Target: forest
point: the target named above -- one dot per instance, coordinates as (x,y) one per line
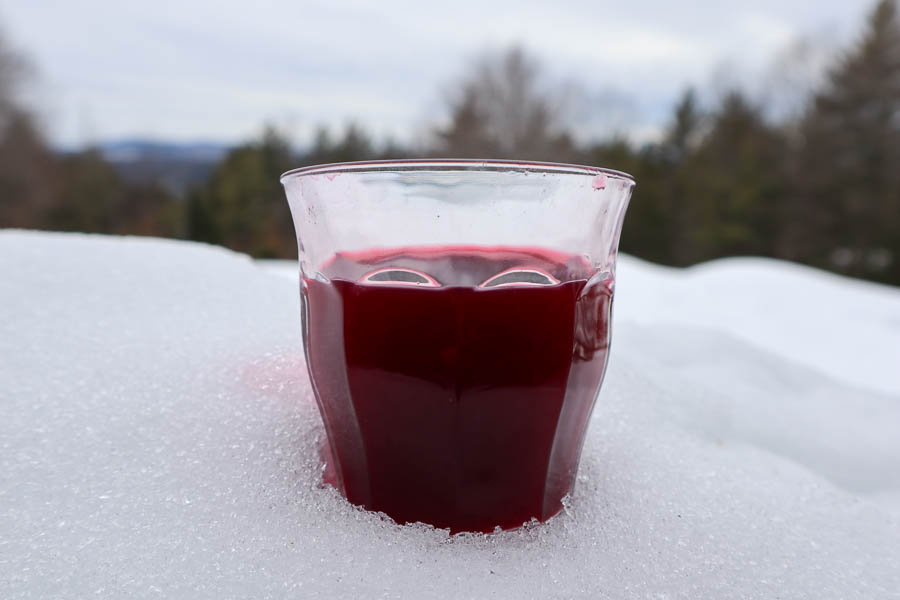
(819,185)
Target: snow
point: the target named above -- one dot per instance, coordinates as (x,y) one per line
(157,439)
(846,328)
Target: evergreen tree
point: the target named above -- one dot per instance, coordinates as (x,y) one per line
(845,210)
(243,205)
(355,145)
(467,134)
(658,221)
(684,132)
(733,184)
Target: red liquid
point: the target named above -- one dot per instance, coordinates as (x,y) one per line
(460,406)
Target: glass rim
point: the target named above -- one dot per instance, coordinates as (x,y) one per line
(453,164)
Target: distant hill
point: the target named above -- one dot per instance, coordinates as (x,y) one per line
(137,149)
(177,166)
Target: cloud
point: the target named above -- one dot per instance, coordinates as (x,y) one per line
(180,70)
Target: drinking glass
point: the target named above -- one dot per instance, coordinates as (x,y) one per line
(456,324)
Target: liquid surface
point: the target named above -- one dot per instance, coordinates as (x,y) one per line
(456,383)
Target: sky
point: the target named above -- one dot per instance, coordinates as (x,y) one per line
(217,71)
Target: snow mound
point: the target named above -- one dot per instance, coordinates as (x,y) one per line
(158,440)
(847,328)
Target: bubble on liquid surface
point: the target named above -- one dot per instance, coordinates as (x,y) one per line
(519,276)
(400,275)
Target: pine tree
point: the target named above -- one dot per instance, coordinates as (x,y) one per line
(243,206)
(658,220)
(683,133)
(846,208)
(733,184)
(466,136)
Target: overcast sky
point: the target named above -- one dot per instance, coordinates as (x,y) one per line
(217,70)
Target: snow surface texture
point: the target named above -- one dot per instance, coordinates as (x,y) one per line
(158,439)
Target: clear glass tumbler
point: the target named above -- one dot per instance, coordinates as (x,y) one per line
(456,322)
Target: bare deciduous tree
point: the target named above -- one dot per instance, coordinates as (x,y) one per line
(500,109)
(26,182)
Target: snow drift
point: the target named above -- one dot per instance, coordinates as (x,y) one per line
(159,440)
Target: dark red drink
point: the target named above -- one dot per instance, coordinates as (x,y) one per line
(456,383)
